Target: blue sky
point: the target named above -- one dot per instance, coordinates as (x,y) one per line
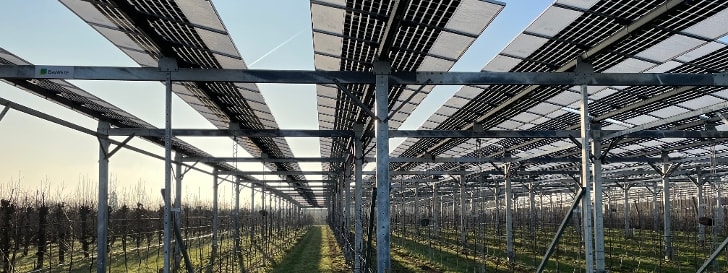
(38,154)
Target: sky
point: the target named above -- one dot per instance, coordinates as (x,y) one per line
(39,158)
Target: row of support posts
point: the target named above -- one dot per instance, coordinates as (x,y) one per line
(175,208)
(590,180)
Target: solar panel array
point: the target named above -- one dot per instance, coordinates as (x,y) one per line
(650,36)
(431,36)
(81,101)
(681,40)
(192,32)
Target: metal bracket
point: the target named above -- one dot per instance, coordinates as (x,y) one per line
(721,79)
(5,111)
(167,64)
(583,70)
(355,99)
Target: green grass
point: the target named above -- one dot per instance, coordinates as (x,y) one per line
(260,256)
(317,251)
(486,249)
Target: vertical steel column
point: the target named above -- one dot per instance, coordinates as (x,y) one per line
(347,197)
(382,70)
(463,239)
(510,253)
(435,210)
(215,219)
(531,208)
(627,228)
(102,217)
(585,179)
(496,198)
(701,205)
(655,216)
(666,205)
(417,212)
(598,198)
(718,224)
(236,223)
(252,213)
(358,189)
(167,173)
(177,206)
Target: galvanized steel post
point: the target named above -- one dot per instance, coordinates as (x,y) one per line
(167,173)
(215,219)
(463,237)
(510,252)
(102,215)
(701,205)
(598,196)
(666,205)
(358,228)
(382,70)
(585,179)
(627,228)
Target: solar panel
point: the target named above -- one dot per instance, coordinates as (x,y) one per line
(81,101)
(670,43)
(191,32)
(430,36)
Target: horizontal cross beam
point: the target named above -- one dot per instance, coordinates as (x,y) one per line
(348,77)
(416,133)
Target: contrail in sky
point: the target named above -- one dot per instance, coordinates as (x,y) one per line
(277,47)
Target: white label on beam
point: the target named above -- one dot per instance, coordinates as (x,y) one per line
(54,72)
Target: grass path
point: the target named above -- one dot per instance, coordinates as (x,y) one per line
(317,251)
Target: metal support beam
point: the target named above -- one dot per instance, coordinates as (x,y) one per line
(531,209)
(435,210)
(347,205)
(215,221)
(177,206)
(463,223)
(667,219)
(699,183)
(598,215)
(627,226)
(349,77)
(237,250)
(713,256)
(585,178)
(355,99)
(447,134)
(261,160)
(508,171)
(382,70)
(560,231)
(167,174)
(359,192)
(4,112)
(102,216)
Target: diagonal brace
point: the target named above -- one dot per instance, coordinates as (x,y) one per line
(610,147)
(560,231)
(5,111)
(355,99)
(121,145)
